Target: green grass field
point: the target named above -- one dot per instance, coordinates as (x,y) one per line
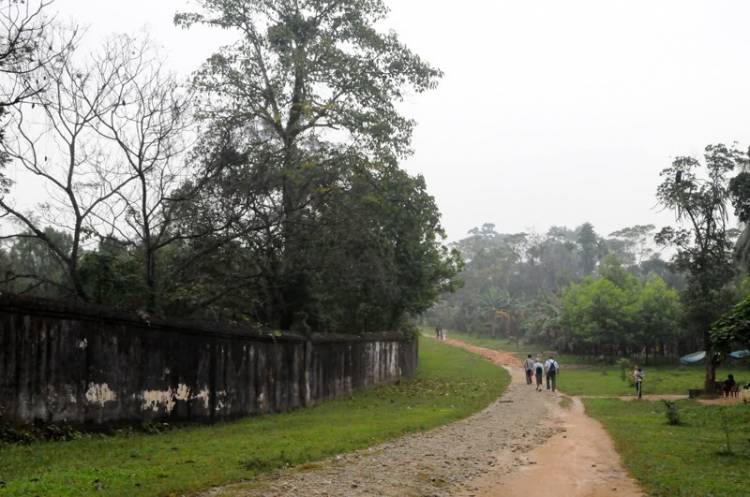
(451,385)
(686,460)
(658,380)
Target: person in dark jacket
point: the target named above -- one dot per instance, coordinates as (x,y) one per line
(729,384)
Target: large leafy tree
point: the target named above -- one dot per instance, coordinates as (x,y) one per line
(699,194)
(387,263)
(732,329)
(598,317)
(658,313)
(309,93)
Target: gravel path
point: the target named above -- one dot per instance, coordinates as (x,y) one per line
(470,457)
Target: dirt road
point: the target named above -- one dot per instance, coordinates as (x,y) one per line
(523,444)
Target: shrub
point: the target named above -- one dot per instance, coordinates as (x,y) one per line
(673,413)
(624,365)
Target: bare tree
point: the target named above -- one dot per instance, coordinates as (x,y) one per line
(23,52)
(146,120)
(54,137)
(111,141)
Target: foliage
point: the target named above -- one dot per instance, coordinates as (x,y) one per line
(732,329)
(598,317)
(451,385)
(267,190)
(673,413)
(302,76)
(528,276)
(663,458)
(705,248)
(36,432)
(588,240)
(624,366)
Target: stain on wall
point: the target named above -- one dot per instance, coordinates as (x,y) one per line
(94,366)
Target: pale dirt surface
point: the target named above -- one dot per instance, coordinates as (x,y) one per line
(578,462)
(497,356)
(523,444)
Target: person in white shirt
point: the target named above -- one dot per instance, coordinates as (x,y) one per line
(553,369)
(528,368)
(539,372)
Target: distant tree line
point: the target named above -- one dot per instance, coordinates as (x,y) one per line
(266,190)
(546,283)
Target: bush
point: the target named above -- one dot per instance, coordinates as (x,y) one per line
(26,434)
(624,365)
(673,413)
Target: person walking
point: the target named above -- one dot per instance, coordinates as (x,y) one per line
(528,367)
(539,372)
(552,368)
(638,375)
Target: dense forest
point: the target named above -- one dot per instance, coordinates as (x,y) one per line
(267,189)
(532,278)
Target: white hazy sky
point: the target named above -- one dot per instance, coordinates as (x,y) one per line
(550,112)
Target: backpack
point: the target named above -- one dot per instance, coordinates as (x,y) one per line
(552,368)
(539,370)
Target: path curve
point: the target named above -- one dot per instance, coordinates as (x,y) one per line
(522,444)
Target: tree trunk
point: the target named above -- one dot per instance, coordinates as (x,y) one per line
(710,383)
(76,280)
(150,280)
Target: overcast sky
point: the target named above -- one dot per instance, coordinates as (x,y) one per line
(550,112)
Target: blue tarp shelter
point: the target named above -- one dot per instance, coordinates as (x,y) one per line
(694,358)
(740,354)
(698,357)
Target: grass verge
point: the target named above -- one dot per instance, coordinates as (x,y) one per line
(451,384)
(690,459)
(659,380)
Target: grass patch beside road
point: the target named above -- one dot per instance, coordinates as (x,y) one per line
(684,460)
(658,380)
(451,385)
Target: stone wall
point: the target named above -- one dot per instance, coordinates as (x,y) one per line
(96,366)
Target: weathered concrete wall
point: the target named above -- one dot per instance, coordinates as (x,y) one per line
(85,365)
